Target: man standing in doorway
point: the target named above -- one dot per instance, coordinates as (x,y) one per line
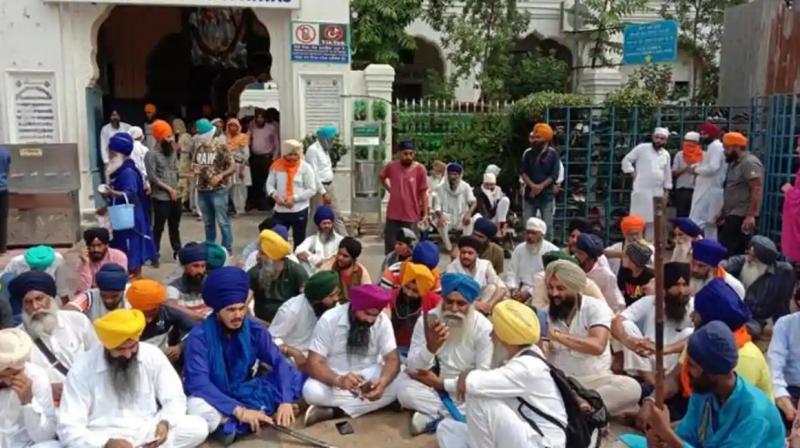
(744,184)
(540,165)
(162,171)
(407,184)
(318,155)
(265,142)
(114,125)
(649,163)
(213,164)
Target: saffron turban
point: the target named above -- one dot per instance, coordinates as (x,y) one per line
(273,245)
(192,253)
(591,244)
(291,147)
(320,285)
(535,224)
(420,274)
(734,139)
(462,284)
(486,227)
(675,271)
(714,349)
(570,274)
(489,178)
(544,131)
(470,241)
(554,255)
(96,233)
(281,230)
(146,294)
(121,142)
(327,132)
(426,253)
(638,253)
(455,168)
(351,245)
(718,301)
(15,348)
(161,130)
(30,281)
(664,132)
(515,323)
(710,129)
(764,249)
(136,133)
(688,227)
(150,108)
(369,297)
(111,277)
(216,256)
(323,213)
(226,286)
(708,252)
(40,258)
(119,326)
(203,126)
(632,223)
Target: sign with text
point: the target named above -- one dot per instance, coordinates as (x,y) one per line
(650,42)
(322,102)
(32,110)
(281,4)
(321,42)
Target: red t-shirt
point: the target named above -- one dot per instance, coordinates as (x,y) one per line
(407,187)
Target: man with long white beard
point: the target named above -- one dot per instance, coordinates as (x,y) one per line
(276,278)
(767,279)
(317,249)
(186,290)
(27,412)
(456,338)
(686,232)
(651,168)
(526,260)
(707,256)
(492,287)
(124,394)
(492,203)
(456,206)
(60,336)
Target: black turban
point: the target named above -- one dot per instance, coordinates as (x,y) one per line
(93,233)
(675,271)
(351,245)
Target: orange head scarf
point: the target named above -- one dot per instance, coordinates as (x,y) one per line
(692,151)
(235,139)
(734,139)
(290,168)
(544,131)
(632,223)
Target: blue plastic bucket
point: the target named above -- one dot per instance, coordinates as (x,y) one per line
(121,215)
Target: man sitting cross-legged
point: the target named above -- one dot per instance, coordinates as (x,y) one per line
(457,338)
(124,394)
(220,356)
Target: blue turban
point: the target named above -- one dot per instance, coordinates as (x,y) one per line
(192,253)
(203,126)
(591,244)
(121,142)
(709,252)
(455,168)
(714,349)
(406,144)
(688,227)
(327,132)
(486,227)
(226,286)
(462,284)
(322,214)
(718,301)
(111,277)
(30,281)
(426,253)
(281,230)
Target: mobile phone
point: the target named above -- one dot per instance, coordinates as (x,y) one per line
(366,386)
(344,428)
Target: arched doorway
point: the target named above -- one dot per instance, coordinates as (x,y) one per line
(419,70)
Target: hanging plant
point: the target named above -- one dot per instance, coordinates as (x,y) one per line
(359,110)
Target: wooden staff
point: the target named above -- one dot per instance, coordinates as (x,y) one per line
(659,206)
(302,437)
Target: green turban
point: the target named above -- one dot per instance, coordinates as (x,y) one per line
(321,285)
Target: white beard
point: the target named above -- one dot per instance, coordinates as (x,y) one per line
(751,271)
(682,252)
(44,323)
(534,248)
(462,334)
(113,164)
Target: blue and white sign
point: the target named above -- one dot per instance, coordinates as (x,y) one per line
(650,42)
(321,42)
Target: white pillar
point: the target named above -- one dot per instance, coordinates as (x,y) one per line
(379,79)
(599,82)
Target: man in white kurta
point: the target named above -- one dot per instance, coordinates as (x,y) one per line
(98,411)
(709,181)
(114,125)
(458,339)
(293,325)
(321,247)
(526,260)
(651,166)
(499,401)
(27,413)
(319,157)
(492,287)
(455,205)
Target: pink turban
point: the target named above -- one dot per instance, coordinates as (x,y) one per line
(367,297)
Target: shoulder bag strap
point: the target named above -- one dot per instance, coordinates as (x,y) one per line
(51,358)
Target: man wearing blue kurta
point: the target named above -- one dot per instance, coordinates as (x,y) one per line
(725,411)
(127,184)
(219,359)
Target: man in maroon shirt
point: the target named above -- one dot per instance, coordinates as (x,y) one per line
(407,183)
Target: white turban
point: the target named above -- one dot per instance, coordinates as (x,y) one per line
(692,137)
(536,225)
(136,133)
(15,348)
(291,147)
(661,131)
(489,178)
(493,169)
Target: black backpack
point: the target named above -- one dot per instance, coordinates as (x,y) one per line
(586,412)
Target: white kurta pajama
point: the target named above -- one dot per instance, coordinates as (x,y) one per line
(293,324)
(317,251)
(453,205)
(320,161)
(652,175)
(72,336)
(91,411)
(330,341)
(474,352)
(526,262)
(708,189)
(31,425)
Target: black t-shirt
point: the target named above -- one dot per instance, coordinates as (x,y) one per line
(633,287)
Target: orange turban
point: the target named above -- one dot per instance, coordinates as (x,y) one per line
(150,108)
(544,131)
(161,130)
(734,139)
(420,274)
(146,295)
(632,223)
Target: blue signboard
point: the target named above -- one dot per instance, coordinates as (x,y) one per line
(650,42)
(320,42)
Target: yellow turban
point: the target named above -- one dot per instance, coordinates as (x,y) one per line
(544,131)
(420,274)
(734,139)
(273,245)
(118,326)
(515,323)
(146,294)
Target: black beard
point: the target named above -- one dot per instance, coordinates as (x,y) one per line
(166,148)
(701,385)
(657,146)
(357,335)
(94,256)
(538,146)
(405,306)
(562,310)
(194,282)
(124,374)
(454,183)
(673,308)
(707,140)
(319,308)
(732,157)
(405,162)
